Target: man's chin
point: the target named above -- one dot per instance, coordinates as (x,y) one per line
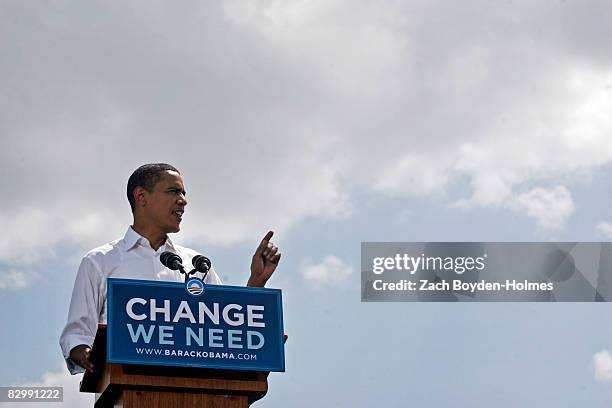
(173,229)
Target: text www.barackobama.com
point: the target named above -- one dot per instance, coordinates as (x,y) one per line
(195,354)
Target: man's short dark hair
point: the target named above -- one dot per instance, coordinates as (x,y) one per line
(146,176)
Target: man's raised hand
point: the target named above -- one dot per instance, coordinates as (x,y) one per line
(264,262)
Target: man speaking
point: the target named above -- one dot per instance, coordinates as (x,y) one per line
(157,197)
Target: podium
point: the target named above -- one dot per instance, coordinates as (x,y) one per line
(136,386)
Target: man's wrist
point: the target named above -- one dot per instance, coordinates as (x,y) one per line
(255,283)
(77,351)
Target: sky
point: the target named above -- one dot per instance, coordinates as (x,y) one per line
(330,122)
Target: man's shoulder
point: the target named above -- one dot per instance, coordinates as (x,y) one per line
(105,250)
(185,250)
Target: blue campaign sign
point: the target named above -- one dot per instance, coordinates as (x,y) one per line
(195,325)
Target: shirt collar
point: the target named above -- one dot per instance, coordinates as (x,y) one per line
(132,238)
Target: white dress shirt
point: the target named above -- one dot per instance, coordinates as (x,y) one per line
(131,258)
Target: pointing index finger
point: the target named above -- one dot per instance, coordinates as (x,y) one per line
(265,239)
(264,242)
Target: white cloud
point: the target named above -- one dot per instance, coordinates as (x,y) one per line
(36,230)
(549,207)
(605,228)
(602,363)
(17,279)
(276,111)
(70,383)
(331,271)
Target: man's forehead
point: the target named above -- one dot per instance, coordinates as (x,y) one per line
(170,177)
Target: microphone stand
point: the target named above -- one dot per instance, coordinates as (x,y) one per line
(192,272)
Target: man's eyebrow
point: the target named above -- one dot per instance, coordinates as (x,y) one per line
(176,188)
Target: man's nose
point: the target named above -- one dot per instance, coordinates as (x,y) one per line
(182,200)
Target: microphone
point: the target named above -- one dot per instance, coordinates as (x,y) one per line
(171,261)
(201,264)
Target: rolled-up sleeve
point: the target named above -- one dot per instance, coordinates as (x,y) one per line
(84,312)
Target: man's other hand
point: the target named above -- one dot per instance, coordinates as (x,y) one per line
(81,355)
(264,262)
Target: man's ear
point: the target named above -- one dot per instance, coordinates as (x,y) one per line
(140,196)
